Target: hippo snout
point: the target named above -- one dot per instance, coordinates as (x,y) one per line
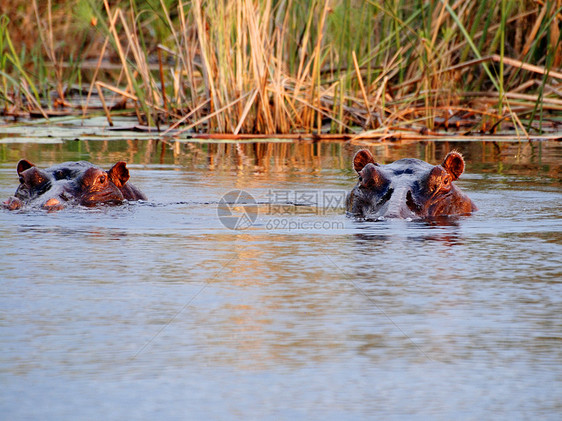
(396,203)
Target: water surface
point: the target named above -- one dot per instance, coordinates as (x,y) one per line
(156,310)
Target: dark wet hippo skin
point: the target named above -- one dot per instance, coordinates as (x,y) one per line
(408,188)
(72,183)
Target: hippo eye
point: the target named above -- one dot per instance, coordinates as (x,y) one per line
(446,184)
(22,181)
(101,179)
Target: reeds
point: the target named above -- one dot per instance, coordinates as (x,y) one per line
(288,66)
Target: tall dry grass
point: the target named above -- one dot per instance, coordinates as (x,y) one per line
(288,66)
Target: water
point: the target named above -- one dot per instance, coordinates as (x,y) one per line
(157,311)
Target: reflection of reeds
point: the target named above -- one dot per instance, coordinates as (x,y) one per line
(339,66)
(290,161)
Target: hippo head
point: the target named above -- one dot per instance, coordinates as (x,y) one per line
(78,182)
(95,186)
(33,181)
(408,188)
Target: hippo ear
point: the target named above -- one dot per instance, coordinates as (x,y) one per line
(119,174)
(23,165)
(454,164)
(362,158)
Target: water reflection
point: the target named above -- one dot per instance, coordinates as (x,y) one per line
(442,229)
(255,159)
(100,233)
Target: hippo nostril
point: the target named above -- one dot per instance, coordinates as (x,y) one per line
(385,198)
(411,203)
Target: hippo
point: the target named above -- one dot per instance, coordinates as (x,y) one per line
(407,189)
(80,183)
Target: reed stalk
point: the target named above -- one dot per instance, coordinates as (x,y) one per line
(287,66)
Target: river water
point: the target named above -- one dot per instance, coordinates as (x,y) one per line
(158,310)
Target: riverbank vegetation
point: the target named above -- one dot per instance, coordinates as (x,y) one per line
(368,67)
